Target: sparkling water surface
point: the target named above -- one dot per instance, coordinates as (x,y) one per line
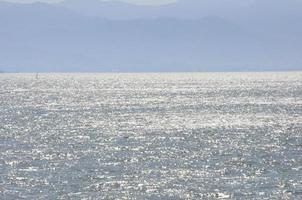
(151,136)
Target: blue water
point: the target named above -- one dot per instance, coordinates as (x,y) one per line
(151,136)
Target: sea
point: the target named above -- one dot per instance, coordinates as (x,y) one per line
(166,136)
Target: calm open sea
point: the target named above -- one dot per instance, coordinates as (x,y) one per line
(151,136)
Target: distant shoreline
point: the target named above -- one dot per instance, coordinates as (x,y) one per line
(147,72)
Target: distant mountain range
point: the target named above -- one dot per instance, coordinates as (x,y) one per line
(190,35)
(186,9)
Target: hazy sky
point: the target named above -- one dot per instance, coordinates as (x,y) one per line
(142,2)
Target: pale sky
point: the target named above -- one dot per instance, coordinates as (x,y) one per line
(140,2)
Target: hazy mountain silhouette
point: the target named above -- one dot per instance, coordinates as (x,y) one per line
(64,37)
(186,9)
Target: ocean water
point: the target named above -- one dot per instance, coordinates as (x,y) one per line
(151,136)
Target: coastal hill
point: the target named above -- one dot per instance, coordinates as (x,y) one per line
(117,36)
